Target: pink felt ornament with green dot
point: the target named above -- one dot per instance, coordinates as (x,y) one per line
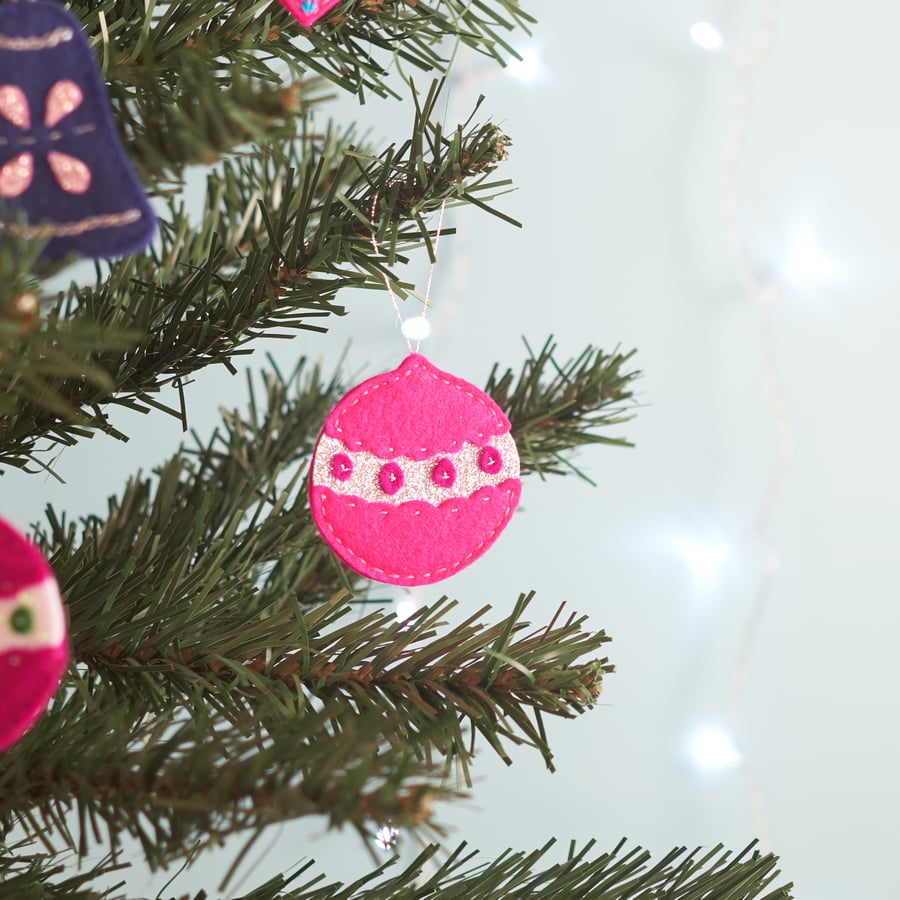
(34,648)
(414,476)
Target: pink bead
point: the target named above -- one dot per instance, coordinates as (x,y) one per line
(390,478)
(490,460)
(444,473)
(341,466)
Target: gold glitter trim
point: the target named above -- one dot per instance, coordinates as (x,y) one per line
(417,480)
(46,41)
(73,229)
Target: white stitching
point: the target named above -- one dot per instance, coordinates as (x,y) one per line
(324,495)
(388,379)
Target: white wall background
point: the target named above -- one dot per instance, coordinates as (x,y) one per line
(617,155)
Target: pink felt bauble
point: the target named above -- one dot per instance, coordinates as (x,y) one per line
(414,476)
(34,648)
(307,12)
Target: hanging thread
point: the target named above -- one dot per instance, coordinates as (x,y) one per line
(387,281)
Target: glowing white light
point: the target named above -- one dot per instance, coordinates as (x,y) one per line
(707,36)
(415,328)
(527,68)
(405,608)
(704,558)
(386,837)
(805,261)
(714,749)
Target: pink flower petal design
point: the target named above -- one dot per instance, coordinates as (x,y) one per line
(64,97)
(72,175)
(16,175)
(14,106)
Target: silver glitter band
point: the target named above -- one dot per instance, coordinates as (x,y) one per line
(418,483)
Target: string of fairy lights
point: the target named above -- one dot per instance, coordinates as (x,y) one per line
(718,746)
(721,747)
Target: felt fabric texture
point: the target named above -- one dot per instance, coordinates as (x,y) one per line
(34,648)
(307,12)
(21,563)
(62,164)
(417,410)
(414,475)
(29,679)
(415,542)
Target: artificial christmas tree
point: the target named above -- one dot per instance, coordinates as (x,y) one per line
(218,684)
